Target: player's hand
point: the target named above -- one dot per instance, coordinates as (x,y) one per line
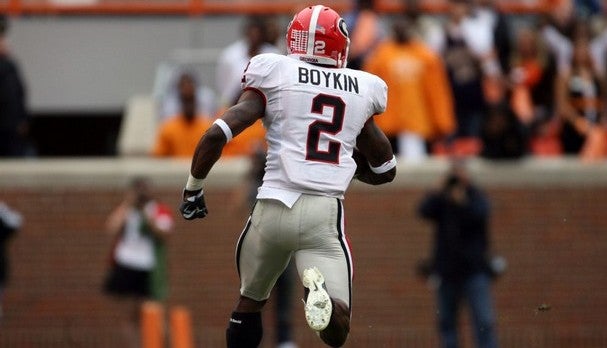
(193,205)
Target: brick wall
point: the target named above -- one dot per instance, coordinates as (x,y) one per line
(553,237)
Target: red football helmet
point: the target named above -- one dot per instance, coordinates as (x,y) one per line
(317,34)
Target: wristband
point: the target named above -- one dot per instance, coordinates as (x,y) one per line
(193,184)
(384,167)
(225,128)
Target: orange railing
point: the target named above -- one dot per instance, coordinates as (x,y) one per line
(199,7)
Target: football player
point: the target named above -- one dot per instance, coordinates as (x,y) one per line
(316,113)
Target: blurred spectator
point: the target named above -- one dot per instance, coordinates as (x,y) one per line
(170,102)
(460,264)
(557,29)
(179,135)
(587,8)
(234,59)
(503,135)
(581,105)
(140,225)
(471,62)
(427,27)
(14,119)
(487,10)
(533,71)
(532,80)
(10,222)
(231,65)
(420,106)
(598,49)
(562,29)
(275,32)
(366,31)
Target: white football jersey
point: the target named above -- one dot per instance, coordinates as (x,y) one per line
(312,118)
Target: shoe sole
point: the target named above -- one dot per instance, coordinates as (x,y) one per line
(318,307)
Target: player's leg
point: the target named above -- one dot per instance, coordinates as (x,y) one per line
(260,257)
(244,328)
(336,334)
(325,265)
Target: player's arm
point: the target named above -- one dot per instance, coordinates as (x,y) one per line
(376,151)
(249,108)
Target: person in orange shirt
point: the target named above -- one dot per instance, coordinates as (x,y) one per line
(420,103)
(366,31)
(179,135)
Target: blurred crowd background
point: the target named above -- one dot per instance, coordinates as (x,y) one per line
(497,79)
(94,93)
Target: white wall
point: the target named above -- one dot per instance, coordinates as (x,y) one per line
(96,63)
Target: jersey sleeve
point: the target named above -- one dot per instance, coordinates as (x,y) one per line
(380,96)
(258,75)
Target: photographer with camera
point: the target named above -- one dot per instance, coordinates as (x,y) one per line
(139,226)
(460,264)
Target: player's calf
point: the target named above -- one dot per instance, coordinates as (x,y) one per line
(244,330)
(336,333)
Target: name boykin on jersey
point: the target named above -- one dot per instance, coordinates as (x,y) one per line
(328,79)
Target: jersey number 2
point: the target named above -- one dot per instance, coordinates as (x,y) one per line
(317,127)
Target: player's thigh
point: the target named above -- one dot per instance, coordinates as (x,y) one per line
(260,256)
